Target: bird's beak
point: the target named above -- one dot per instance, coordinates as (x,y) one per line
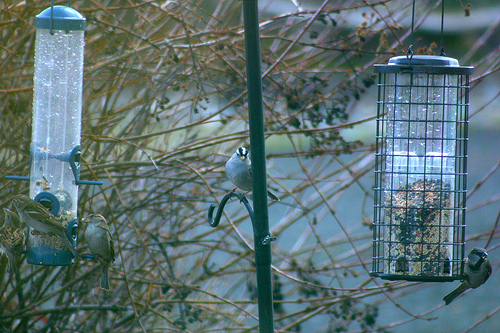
(242,158)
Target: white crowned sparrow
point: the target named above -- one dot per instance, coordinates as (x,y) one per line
(12,239)
(239,171)
(100,243)
(39,218)
(477,270)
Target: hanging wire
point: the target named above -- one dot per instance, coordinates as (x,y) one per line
(409,53)
(52,17)
(442,30)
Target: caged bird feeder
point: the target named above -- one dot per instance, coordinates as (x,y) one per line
(56,129)
(421,169)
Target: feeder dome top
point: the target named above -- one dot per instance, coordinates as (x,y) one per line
(63,18)
(424,64)
(424,60)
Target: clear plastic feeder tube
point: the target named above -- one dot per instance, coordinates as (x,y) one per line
(57,109)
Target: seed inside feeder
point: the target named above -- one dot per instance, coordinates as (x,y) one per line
(418,224)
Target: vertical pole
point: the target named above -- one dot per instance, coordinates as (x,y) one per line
(256,116)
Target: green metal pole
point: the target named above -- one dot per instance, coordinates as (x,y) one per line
(257,145)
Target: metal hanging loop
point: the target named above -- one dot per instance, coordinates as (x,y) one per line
(266,239)
(409,53)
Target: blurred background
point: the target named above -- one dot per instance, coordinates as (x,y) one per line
(164,106)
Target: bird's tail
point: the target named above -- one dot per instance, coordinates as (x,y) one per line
(13,265)
(455,293)
(105,279)
(71,248)
(272,196)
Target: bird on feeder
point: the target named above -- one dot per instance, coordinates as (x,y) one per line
(100,243)
(477,271)
(39,218)
(12,239)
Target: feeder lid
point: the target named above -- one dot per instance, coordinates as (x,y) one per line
(424,64)
(424,60)
(63,18)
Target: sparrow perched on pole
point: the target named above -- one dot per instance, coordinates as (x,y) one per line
(39,218)
(12,239)
(239,171)
(100,243)
(477,270)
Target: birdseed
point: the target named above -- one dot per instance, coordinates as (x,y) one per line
(419,231)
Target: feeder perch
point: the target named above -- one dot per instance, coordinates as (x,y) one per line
(421,169)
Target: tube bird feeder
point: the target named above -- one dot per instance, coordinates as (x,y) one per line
(56,128)
(421,169)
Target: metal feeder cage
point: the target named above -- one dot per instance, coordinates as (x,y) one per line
(421,169)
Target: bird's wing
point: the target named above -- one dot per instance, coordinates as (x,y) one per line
(40,214)
(112,249)
(111,245)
